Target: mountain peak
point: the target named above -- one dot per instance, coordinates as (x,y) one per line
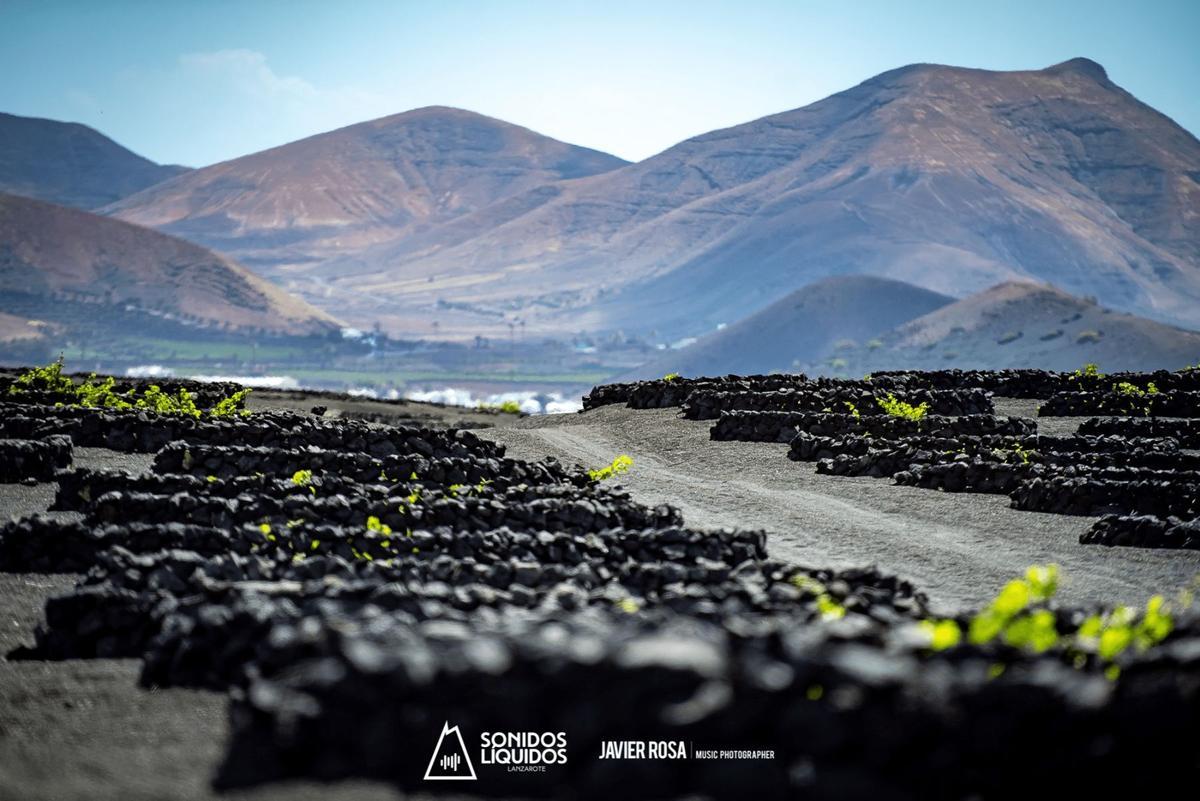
(952,177)
(1022,288)
(801,327)
(438,112)
(1081,66)
(1020,285)
(1078,66)
(357,186)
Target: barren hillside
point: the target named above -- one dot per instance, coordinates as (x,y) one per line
(1022,324)
(71,164)
(952,179)
(801,328)
(345,190)
(53,252)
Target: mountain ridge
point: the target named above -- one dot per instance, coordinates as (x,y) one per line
(852,325)
(801,327)
(764,201)
(950,178)
(71,164)
(1028,324)
(51,253)
(348,188)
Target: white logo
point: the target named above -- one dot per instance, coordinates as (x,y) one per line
(450,760)
(523,751)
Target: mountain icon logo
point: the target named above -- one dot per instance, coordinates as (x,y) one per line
(450,760)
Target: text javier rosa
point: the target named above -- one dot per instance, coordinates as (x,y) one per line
(674,749)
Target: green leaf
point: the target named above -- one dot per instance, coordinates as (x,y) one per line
(1013,598)
(1113,641)
(942,634)
(1043,581)
(985,627)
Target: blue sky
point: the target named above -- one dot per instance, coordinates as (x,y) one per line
(199,82)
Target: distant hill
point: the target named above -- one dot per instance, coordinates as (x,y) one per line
(1021,324)
(15,329)
(343,191)
(52,255)
(71,164)
(948,178)
(804,327)
(24,341)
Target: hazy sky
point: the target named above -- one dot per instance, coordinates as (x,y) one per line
(198,82)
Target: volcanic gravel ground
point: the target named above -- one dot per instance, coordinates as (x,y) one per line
(957,547)
(83,729)
(396,412)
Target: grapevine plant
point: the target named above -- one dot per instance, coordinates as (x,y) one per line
(898,408)
(1126,388)
(1020,617)
(95,394)
(304,478)
(504,407)
(827,607)
(43,379)
(618,465)
(1018,453)
(379,544)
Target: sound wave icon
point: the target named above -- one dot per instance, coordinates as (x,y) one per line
(450,760)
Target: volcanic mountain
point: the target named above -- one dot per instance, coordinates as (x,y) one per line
(948,178)
(52,255)
(1023,324)
(71,164)
(802,328)
(342,191)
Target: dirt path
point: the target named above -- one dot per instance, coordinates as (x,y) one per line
(960,548)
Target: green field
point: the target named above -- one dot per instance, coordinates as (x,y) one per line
(332,363)
(164,350)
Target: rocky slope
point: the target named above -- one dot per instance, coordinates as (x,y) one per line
(802,328)
(345,190)
(51,254)
(1022,324)
(952,179)
(71,164)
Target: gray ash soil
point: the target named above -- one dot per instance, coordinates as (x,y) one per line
(960,548)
